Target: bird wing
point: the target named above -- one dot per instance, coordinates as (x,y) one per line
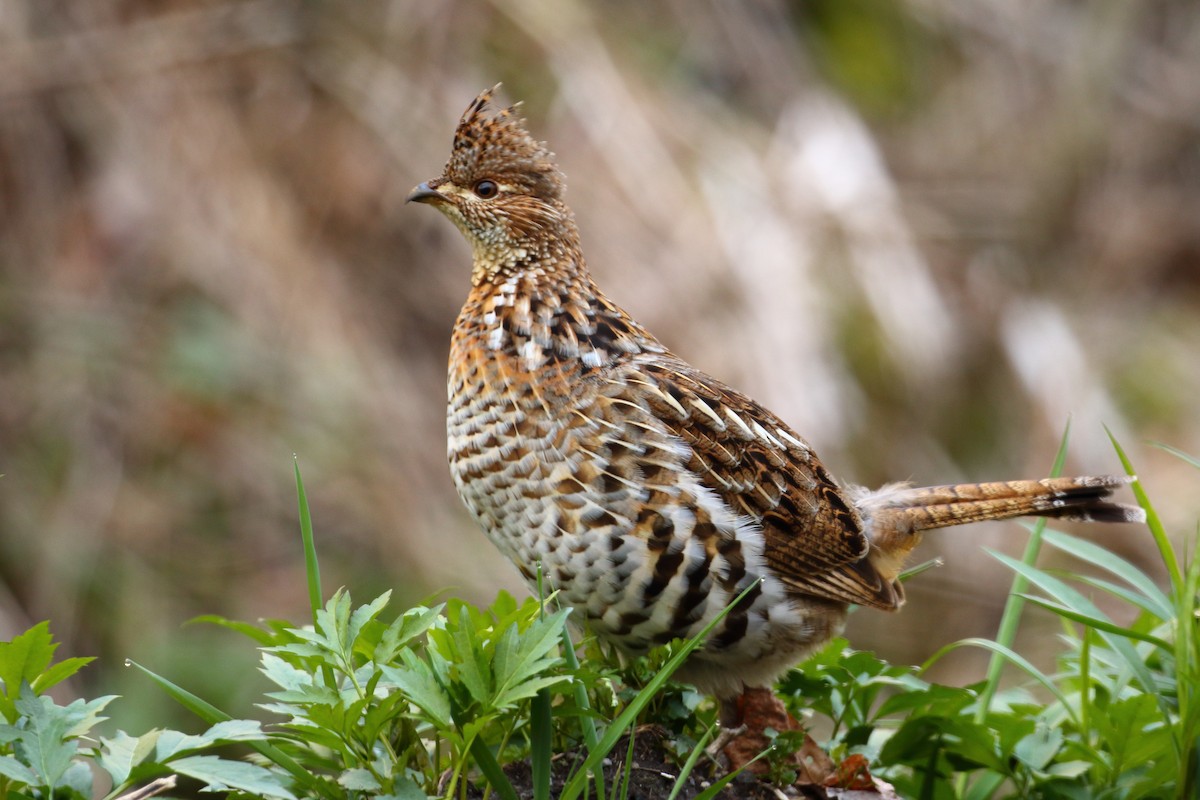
(760,468)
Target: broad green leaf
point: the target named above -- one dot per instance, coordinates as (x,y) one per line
(308,696)
(527,689)
(56,673)
(1068,769)
(45,744)
(25,656)
(15,770)
(219,773)
(1038,748)
(404,789)
(332,623)
(120,754)
(527,658)
(77,778)
(1129,729)
(416,680)
(283,674)
(211,714)
(364,614)
(473,670)
(968,745)
(403,630)
(359,780)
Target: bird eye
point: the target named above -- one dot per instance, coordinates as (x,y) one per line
(486,190)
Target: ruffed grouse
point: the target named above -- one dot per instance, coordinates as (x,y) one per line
(651,494)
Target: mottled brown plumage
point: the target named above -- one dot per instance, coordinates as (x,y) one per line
(649,493)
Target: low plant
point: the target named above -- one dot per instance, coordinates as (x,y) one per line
(434,701)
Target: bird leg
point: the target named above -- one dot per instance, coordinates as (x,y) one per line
(748,716)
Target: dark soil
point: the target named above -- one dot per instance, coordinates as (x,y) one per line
(653,773)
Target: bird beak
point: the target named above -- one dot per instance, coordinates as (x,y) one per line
(424,193)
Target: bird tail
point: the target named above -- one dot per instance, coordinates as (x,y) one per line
(895,515)
(917,509)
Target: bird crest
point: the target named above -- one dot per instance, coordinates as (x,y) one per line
(498,147)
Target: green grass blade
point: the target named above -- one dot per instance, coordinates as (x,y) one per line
(1075,601)
(590,736)
(1182,456)
(1165,550)
(197,705)
(210,714)
(540,744)
(311,568)
(486,761)
(1010,620)
(1128,595)
(692,759)
(1097,623)
(1112,563)
(715,789)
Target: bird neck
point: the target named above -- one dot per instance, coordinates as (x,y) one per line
(548,308)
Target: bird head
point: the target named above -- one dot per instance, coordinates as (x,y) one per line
(501,188)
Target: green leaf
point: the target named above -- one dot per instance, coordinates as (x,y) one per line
(417,681)
(359,780)
(120,754)
(1038,748)
(968,745)
(59,672)
(364,614)
(44,739)
(15,770)
(1133,732)
(222,774)
(403,630)
(283,674)
(172,744)
(473,670)
(211,714)
(22,660)
(404,789)
(496,777)
(525,657)
(1175,451)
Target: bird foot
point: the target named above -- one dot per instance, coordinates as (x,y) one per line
(759,709)
(727,735)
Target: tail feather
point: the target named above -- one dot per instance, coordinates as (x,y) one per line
(1084,499)
(895,515)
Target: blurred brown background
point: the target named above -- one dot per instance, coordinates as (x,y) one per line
(926,233)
